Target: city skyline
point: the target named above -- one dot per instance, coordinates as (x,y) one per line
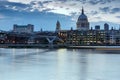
(45,13)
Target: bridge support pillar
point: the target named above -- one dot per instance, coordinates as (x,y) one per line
(51,40)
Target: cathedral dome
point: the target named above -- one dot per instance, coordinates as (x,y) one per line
(82,17)
(82,22)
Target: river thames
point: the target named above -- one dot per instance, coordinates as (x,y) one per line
(58,64)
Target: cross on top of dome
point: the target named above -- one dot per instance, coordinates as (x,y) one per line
(82,10)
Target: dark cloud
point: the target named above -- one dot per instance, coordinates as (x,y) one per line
(3,3)
(83,1)
(73,4)
(36,2)
(93,12)
(105,9)
(110,10)
(61,6)
(14,6)
(47,10)
(67,8)
(73,13)
(62,0)
(94,2)
(115,10)
(22,10)
(7,7)
(3,0)
(97,17)
(117,16)
(46,2)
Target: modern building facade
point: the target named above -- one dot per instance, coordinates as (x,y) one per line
(92,37)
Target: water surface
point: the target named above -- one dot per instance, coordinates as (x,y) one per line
(58,64)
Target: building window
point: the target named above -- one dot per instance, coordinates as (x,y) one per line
(82,25)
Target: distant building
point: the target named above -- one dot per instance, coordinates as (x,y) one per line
(3,36)
(97,27)
(58,26)
(81,37)
(82,22)
(92,37)
(106,27)
(23,28)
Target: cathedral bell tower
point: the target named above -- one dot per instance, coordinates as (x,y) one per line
(58,26)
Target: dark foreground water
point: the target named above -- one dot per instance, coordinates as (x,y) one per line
(60,64)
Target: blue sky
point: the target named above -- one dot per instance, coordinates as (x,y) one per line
(45,13)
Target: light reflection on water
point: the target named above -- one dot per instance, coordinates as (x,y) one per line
(58,64)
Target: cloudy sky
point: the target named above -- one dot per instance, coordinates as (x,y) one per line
(45,13)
